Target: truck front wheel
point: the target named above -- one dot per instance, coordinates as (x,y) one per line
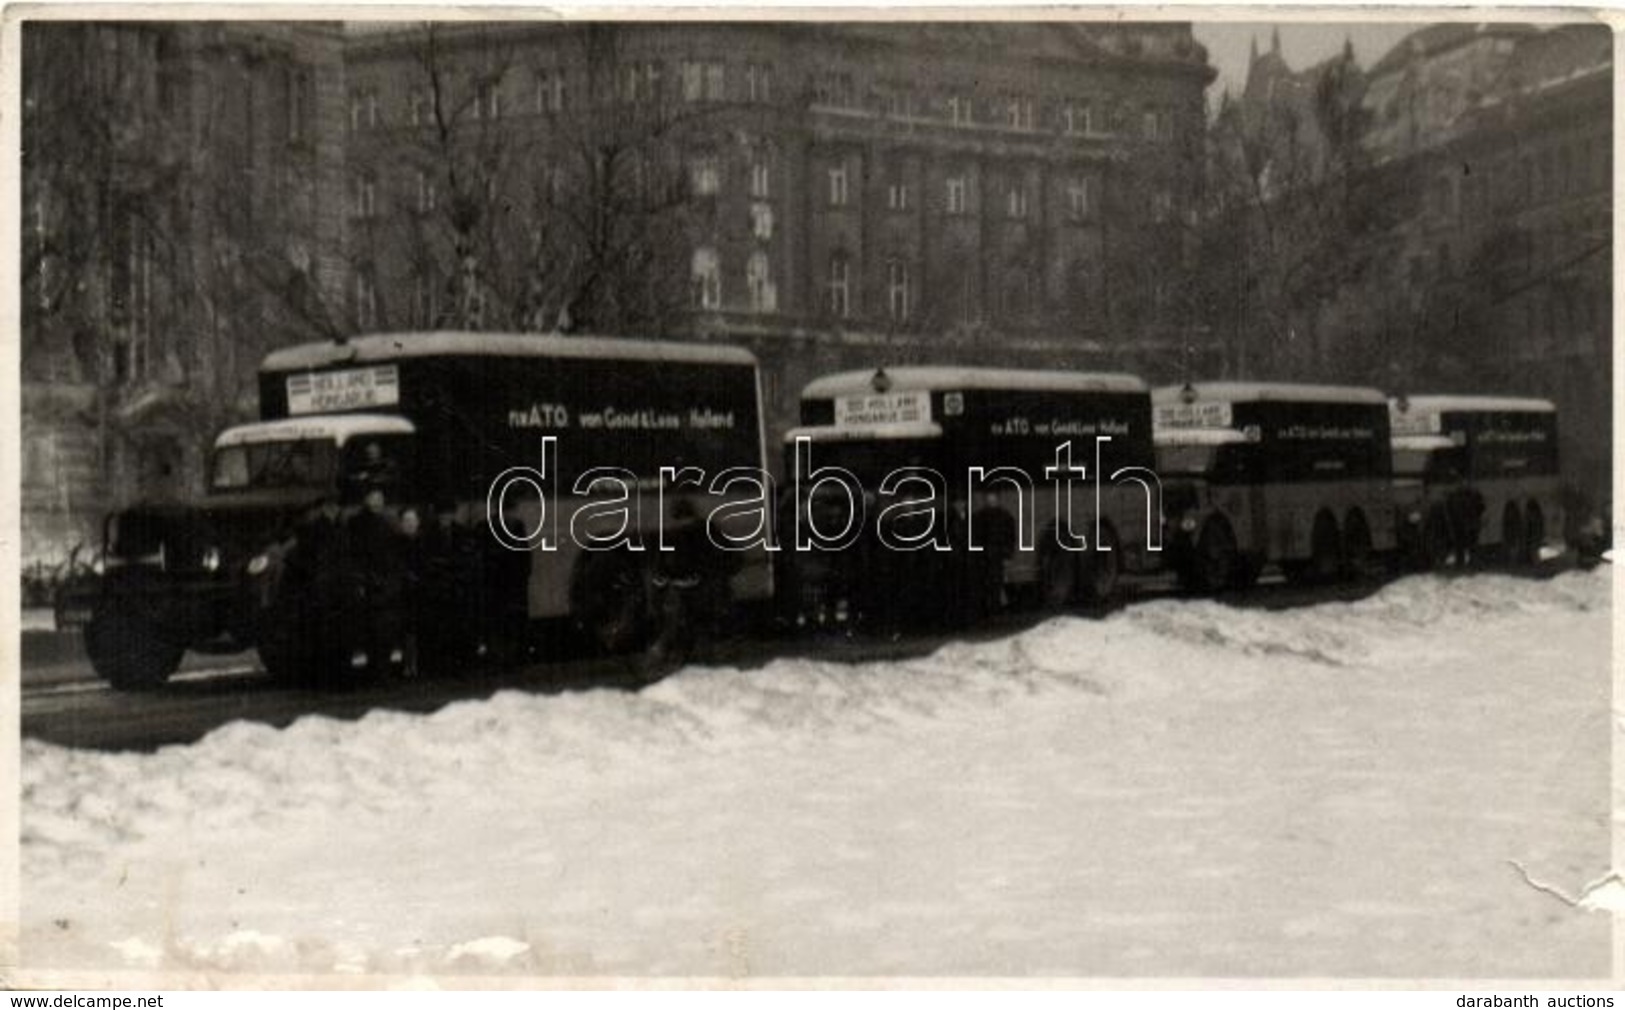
(130,652)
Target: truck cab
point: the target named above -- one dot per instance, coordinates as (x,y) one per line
(182,575)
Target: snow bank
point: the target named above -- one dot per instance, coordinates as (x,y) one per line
(1181,788)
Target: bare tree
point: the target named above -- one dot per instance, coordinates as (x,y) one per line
(576,218)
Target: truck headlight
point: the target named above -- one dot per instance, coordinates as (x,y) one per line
(211,559)
(258,564)
(1187,523)
(1413,518)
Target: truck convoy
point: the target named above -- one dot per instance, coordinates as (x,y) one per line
(547,473)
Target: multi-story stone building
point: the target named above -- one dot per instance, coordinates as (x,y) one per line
(1484,151)
(177,184)
(841,193)
(1507,255)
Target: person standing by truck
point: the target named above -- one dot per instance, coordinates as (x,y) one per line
(378,579)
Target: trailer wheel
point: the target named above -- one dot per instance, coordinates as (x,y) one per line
(1356,546)
(1102,565)
(1512,536)
(1534,525)
(1212,566)
(611,601)
(130,652)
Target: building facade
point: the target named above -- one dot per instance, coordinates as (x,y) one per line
(1482,260)
(177,222)
(827,194)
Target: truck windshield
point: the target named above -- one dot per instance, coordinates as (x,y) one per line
(302,463)
(870,462)
(1186,460)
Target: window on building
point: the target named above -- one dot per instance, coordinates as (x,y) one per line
(837,185)
(960,111)
(705,176)
(487,100)
(358,110)
(758,82)
(364,196)
(1149,129)
(366,300)
(425,300)
(1075,118)
(417,107)
(550,90)
(837,286)
(899,102)
(427,197)
(1018,112)
(703,81)
(761,220)
(899,291)
(552,185)
(897,195)
(761,178)
(759,282)
(1015,201)
(835,88)
(706,273)
(298,104)
(372,109)
(473,294)
(957,203)
(1017,293)
(1077,199)
(1162,206)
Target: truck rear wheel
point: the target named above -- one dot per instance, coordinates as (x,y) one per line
(1512,537)
(1102,565)
(1534,526)
(1436,544)
(130,652)
(611,601)
(1356,547)
(1057,579)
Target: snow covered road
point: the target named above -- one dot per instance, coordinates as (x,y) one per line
(1182,789)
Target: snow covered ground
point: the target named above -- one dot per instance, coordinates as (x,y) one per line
(1182,789)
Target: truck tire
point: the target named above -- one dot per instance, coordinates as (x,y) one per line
(1512,537)
(1057,579)
(1101,567)
(1356,547)
(1437,543)
(611,601)
(1534,526)
(130,652)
